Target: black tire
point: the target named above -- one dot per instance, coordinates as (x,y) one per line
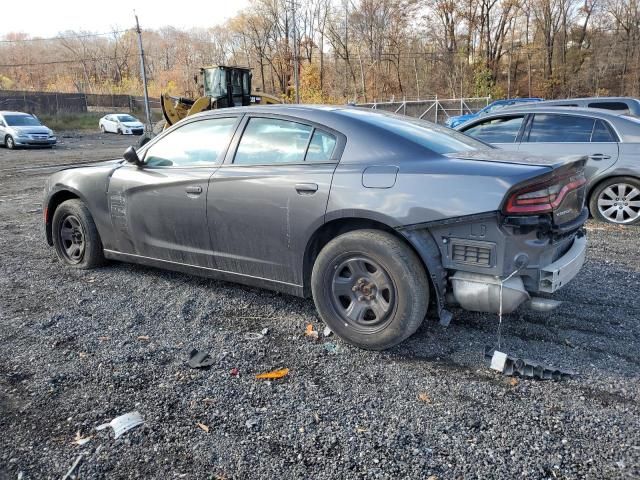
(384,287)
(75,236)
(9,142)
(120,131)
(102,129)
(609,202)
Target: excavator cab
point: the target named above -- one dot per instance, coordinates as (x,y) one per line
(219,86)
(227,86)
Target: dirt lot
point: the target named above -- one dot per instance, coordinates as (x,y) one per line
(78,348)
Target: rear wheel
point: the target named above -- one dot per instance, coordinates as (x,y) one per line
(370,288)
(75,236)
(617,201)
(10,142)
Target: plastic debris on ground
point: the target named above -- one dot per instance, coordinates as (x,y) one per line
(510,366)
(326,332)
(203,427)
(253,336)
(234,372)
(331,347)
(123,423)
(274,375)
(199,359)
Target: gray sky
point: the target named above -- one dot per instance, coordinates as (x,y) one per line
(48,18)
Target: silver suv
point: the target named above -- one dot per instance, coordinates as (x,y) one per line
(19,129)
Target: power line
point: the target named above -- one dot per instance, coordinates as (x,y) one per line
(64,37)
(57,62)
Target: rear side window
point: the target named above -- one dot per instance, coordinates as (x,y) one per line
(194,144)
(602,133)
(497,130)
(321,147)
(550,128)
(616,106)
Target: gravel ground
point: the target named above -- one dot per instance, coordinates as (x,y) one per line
(78,348)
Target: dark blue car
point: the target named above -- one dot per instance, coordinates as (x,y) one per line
(452,122)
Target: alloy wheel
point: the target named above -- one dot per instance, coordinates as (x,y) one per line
(620,203)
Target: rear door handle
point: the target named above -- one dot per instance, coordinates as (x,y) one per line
(193,190)
(599,156)
(306,188)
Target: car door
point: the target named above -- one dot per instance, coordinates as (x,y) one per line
(270,195)
(567,134)
(502,131)
(3,130)
(159,209)
(108,123)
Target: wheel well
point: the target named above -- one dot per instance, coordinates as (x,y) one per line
(333,229)
(54,202)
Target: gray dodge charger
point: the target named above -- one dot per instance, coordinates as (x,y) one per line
(377,217)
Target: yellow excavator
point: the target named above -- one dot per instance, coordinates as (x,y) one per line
(219,86)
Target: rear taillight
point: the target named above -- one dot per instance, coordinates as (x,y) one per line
(543,197)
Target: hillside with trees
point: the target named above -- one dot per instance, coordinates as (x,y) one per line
(359,50)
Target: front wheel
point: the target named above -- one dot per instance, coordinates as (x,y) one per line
(10,142)
(75,236)
(102,129)
(617,201)
(370,288)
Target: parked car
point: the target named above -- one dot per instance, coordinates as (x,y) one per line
(493,107)
(121,123)
(372,214)
(621,105)
(19,129)
(612,143)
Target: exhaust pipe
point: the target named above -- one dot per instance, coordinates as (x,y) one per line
(540,304)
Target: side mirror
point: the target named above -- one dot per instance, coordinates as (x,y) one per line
(131,156)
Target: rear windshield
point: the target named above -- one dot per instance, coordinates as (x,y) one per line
(21,121)
(436,138)
(126,118)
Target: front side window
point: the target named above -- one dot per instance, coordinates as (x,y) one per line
(551,128)
(269,141)
(194,144)
(497,130)
(126,118)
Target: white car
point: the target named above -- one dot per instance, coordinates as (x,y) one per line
(121,123)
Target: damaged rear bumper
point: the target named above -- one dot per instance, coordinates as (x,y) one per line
(491,294)
(563,270)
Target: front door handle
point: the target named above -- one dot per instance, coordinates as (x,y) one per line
(599,156)
(306,188)
(193,190)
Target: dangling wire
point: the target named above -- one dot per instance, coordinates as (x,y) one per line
(502,282)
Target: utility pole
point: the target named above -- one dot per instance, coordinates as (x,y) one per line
(143,71)
(296,59)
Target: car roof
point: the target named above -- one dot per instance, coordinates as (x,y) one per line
(591,99)
(8,112)
(581,111)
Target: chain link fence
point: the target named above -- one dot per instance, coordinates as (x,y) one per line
(54,103)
